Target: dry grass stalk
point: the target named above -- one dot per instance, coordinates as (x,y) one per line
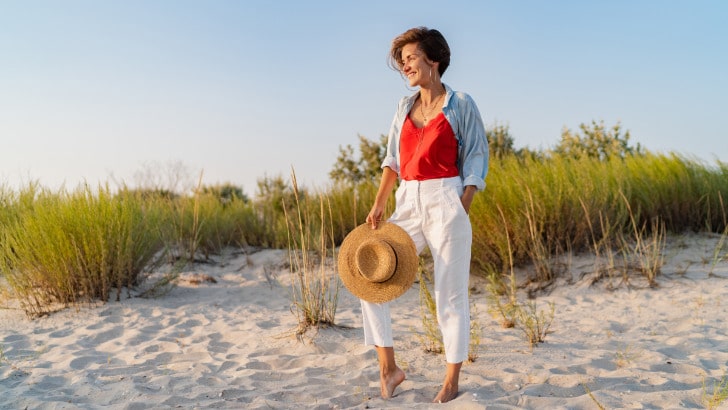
(718,253)
(476,331)
(504,311)
(314,289)
(432,339)
(646,251)
(591,396)
(538,250)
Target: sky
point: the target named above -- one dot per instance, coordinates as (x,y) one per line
(103,91)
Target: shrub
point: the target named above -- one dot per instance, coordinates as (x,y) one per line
(597,142)
(366,168)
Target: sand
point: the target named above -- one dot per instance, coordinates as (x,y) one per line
(222,338)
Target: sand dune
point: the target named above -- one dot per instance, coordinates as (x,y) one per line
(223,339)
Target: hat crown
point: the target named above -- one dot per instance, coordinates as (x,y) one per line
(376,260)
(378,265)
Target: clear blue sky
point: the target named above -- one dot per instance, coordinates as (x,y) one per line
(247,89)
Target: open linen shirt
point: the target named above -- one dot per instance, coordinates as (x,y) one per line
(467,125)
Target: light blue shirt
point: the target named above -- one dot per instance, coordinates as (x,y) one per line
(467,125)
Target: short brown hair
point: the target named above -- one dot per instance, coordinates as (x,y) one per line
(430,41)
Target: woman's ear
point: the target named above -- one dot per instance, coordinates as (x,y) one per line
(435,65)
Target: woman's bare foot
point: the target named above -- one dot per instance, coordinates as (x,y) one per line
(391,381)
(390,375)
(447,393)
(450,385)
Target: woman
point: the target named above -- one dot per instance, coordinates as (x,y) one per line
(438,150)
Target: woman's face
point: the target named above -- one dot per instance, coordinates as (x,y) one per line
(418,69)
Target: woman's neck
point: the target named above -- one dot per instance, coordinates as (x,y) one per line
(430,93)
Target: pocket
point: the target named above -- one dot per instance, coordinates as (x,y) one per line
(451,196)
(399,196)
(402,207)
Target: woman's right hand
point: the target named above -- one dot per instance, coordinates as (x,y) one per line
(389,177)
(375,216)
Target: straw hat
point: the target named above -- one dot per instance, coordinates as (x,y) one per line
(378,265)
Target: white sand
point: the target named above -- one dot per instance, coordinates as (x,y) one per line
(228,345)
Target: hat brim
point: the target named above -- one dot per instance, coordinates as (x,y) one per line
(404,272)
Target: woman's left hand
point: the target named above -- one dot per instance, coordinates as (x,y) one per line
(467,197)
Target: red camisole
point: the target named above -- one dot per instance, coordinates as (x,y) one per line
(429,152)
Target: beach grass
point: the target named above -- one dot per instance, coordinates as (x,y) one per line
(534,322)
(717,395)
(314,289)
(70,246)
(626,355)
(719,252)
(535,209)
(431,339)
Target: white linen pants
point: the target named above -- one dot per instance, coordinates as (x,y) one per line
(431,213)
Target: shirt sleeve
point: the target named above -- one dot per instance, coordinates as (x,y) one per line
(474,152)
(391,158)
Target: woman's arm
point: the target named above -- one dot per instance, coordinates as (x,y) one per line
(474,153)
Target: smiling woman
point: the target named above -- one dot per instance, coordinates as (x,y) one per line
(438,150)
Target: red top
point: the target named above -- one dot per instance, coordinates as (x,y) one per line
(429,152)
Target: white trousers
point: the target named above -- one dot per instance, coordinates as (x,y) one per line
(432,214)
